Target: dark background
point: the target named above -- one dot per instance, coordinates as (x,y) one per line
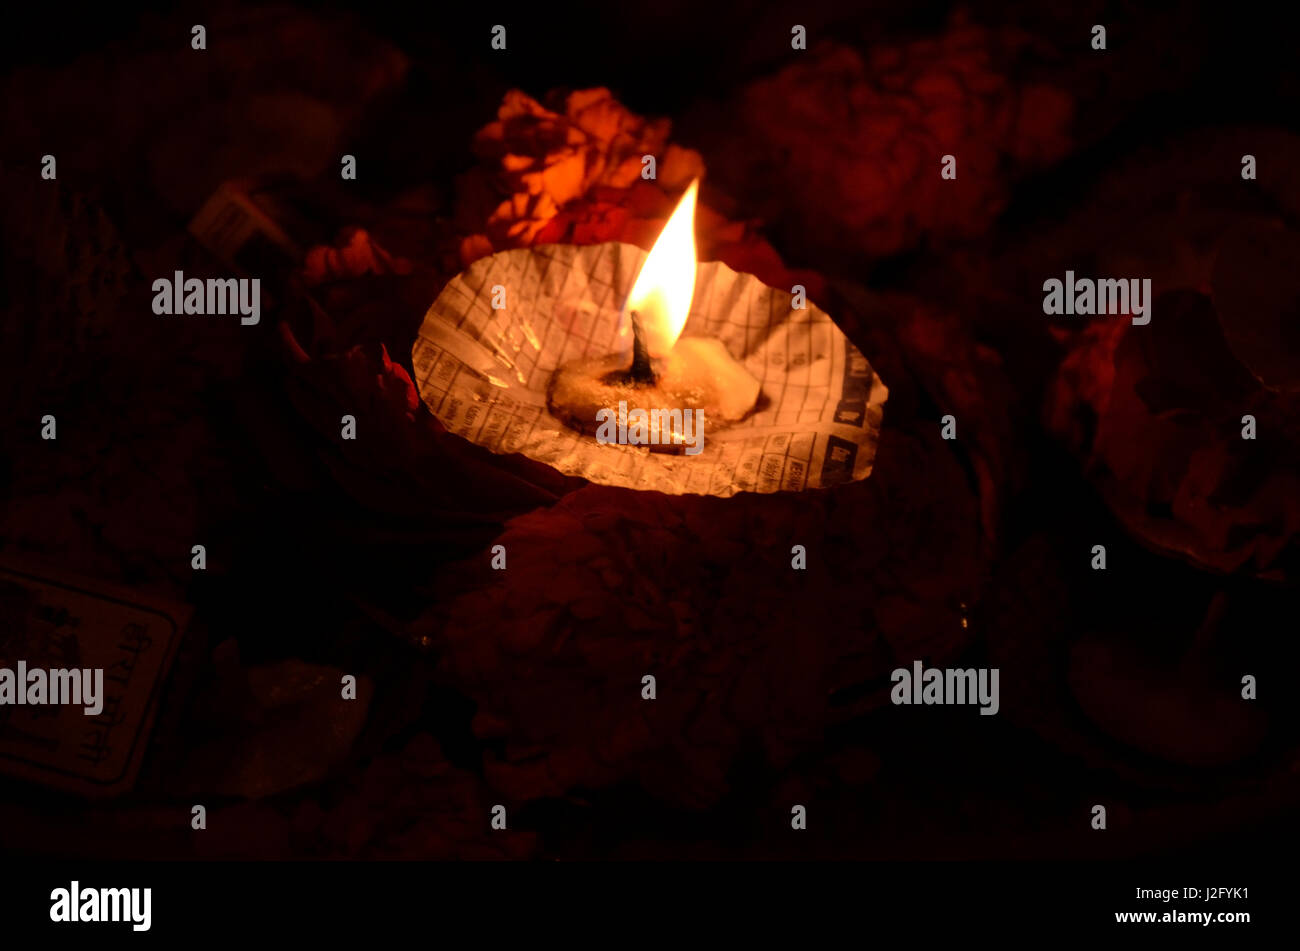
(315,562)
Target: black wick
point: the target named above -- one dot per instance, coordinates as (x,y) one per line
(640,371)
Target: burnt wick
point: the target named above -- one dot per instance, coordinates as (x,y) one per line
(640,373)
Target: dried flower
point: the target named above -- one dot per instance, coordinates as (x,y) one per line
(749,656)
(845,148)
(574,177)
(358,254)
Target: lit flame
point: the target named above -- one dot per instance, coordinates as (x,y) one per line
(663,290)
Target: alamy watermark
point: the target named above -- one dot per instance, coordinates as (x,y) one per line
(179,295)
(1086,297)
(73,904)
(656,427)
(946,685)
(82,687)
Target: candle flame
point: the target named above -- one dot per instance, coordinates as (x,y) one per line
(661,295)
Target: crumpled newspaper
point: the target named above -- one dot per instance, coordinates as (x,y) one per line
(484,373)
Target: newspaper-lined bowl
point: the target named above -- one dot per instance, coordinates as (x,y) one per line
(487,348)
